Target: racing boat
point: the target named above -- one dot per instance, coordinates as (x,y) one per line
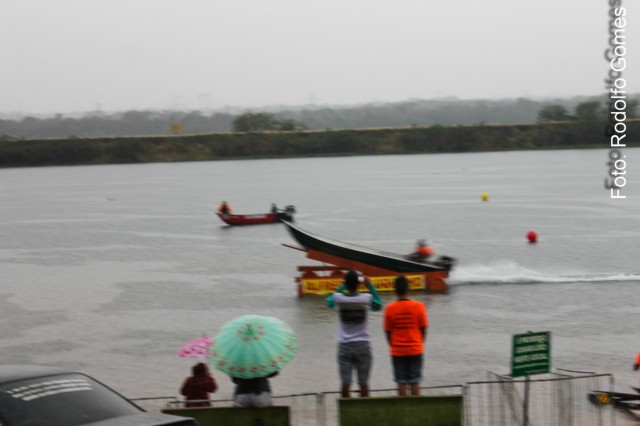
(374,263)
(346,255)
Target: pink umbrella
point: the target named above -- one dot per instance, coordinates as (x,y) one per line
(196,348)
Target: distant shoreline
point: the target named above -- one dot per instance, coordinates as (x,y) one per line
(316,143)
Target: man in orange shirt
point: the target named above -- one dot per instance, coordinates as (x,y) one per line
(405,323)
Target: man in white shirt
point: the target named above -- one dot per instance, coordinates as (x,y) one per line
(354,350)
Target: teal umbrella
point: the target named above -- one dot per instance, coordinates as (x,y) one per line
(253,346)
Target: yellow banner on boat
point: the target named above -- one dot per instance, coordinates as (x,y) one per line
(329,285)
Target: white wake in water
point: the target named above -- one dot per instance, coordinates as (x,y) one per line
(512,272)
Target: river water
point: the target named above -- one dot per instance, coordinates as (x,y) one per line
(110,269)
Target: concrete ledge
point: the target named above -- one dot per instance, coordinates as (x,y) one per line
(430,410)
(224,416)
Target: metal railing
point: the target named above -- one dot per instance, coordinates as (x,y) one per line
(557,399)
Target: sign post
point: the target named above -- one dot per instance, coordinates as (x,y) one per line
(531,354)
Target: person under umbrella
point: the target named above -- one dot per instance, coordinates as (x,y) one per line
(197,348)
(255,392)
(198,386)
(251,349)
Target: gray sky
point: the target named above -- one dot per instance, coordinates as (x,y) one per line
(81,55)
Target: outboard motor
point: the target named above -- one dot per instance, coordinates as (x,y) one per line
(288,212)
(445,262)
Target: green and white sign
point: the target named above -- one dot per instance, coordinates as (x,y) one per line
(531,354)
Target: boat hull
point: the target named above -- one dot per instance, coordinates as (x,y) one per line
(329,284)
(253,219)
(352,256)
(626,400)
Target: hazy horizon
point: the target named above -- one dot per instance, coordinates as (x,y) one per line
(74,56)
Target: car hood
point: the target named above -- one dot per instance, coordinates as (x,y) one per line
(146,419)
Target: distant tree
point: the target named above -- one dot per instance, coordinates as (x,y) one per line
(8,138)
(255,122)
(588,111)
(261,121)
(553,113)
(632,107)
(288,125)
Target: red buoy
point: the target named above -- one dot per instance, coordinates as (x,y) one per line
(532,237)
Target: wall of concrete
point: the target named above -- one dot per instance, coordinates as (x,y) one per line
(441,410)
(224,416)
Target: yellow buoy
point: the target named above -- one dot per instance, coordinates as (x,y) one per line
(485,196)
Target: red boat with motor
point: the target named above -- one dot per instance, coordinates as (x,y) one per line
(256,219)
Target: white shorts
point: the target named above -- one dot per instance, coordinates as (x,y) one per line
(258,400)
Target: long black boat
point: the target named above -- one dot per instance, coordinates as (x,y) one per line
(628,400)
(352,252)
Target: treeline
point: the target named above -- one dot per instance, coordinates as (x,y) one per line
(433,139)
(400,114)
(130,123)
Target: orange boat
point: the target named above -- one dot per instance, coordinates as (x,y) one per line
(381,267)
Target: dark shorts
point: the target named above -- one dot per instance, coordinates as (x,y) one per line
(407,369)
(354,356)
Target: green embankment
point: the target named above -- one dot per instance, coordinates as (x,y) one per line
(222,146)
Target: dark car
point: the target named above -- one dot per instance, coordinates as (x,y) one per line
(33,395)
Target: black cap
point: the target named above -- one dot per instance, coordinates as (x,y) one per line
(351,280)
